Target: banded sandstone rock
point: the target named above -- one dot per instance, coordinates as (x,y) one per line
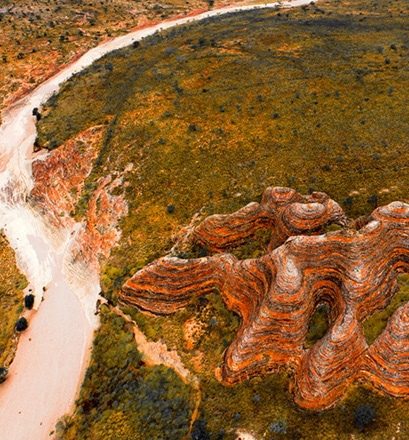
(282,210)
(353,272)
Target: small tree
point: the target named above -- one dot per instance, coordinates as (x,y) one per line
(199,431)
(29,301)
(373,200)
(3,374)
(21,324)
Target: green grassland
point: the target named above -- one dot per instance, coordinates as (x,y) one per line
(211,114)
(11,300)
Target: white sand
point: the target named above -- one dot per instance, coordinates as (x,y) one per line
(53,351)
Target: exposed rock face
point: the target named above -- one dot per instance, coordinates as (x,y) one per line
(59,176)
(283,210)
(354,272)
(58,182)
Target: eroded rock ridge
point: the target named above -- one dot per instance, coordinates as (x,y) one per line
(354,271)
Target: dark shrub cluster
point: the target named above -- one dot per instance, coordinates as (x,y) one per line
(21,324)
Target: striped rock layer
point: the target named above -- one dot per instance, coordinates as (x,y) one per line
(353,272)
(282,210)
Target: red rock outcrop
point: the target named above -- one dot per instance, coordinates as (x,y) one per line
(59,176)
(354,272)
(282,210)
(58,181)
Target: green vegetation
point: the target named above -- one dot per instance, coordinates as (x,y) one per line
(208,115)
(38,36)
(3,374)
(211,329)
(374,325)
(211,114)
(21,324)
(363,416)
(12,283)
(29,301)
(318,325)
(123,399)
(255,246)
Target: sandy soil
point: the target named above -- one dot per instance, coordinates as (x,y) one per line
(157,353)
(54,350)
(51,358)
(242,435)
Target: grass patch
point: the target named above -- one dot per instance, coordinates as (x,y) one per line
(318,327)
(375,324)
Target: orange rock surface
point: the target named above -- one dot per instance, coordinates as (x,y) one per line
(352,271)
(282,210)
(58,182)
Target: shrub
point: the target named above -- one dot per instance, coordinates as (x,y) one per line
(29,301)
(3,374)
(278,427)
(199,431)
(21,324)
(373,200)
(364,415)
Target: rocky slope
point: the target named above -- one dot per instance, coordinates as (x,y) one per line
(58,184)
(352,271)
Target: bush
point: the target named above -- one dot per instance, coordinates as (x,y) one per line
(29,301)
(278,427)
(199,431)
(3,374)
(21,324)
(364,415)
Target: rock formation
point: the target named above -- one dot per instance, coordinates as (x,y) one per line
(282,210)
(352,271)
(59,176)
(58,182)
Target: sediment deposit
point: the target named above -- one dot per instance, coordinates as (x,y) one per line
(353,271)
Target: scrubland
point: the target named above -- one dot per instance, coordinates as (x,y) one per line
(204,117)
(38,37)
